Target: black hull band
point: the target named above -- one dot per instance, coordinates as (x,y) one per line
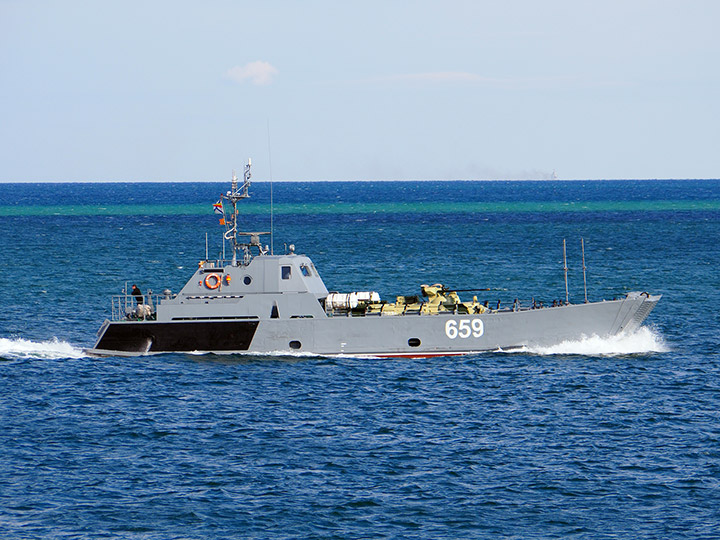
(148,336)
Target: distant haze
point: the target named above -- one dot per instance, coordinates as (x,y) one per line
(323,90)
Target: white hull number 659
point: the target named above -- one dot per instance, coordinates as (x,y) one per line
(464,328)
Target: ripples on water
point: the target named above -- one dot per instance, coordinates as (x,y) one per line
(178,446)
(593,439)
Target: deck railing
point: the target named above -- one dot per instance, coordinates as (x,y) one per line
(126,306)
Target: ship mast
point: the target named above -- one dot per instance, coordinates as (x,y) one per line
(233,196)
(236,194)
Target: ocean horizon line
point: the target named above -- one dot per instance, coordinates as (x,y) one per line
(388,180)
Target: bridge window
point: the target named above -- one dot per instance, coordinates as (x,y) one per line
(286,271)
(305,270)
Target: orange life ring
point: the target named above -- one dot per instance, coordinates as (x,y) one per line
(217,281)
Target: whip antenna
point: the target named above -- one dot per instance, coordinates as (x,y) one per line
(567,295)
(272,228)
(582,244)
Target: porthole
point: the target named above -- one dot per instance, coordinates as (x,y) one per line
(247,280)
(414,342)
(295,344)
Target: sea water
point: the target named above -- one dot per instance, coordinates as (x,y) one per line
(598,438)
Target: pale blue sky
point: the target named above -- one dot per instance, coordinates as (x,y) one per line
(371,90)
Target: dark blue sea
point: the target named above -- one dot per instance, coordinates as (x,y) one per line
(596,439)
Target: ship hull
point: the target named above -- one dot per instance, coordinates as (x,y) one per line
(141,337)
(441,334)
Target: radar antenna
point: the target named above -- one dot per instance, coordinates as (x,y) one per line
(236,194)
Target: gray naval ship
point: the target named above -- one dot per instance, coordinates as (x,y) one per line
(259,302)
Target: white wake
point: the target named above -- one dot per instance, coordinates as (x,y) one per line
(643,340)
(18,348)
